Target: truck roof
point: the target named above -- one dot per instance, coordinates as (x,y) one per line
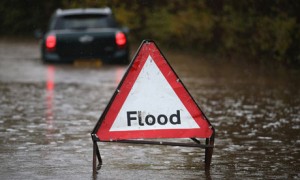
(80,11)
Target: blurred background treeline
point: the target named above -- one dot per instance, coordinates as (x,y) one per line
(268,30)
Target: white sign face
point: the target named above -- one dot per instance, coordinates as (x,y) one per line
(152,104)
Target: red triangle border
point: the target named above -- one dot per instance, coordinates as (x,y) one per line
(109,115)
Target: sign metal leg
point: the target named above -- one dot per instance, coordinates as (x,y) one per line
(96,155)
(208,152)
(94,158)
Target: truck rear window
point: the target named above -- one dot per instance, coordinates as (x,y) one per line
(81,22)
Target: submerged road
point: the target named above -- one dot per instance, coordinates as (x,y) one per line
(47,112)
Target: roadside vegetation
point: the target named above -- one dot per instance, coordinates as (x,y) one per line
(267,30)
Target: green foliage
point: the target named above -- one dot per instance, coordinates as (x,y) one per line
(274,35)
(256,29)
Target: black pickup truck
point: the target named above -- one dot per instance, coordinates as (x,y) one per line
(85,34)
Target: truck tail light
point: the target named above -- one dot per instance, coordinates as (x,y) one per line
(121,39)
(51,42)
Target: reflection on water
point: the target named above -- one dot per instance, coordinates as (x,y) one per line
(50,85)
(119,74)
(46,122)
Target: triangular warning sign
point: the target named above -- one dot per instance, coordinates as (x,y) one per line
(151,102)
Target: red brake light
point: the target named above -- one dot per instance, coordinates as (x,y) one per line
(51,42)
(120,39)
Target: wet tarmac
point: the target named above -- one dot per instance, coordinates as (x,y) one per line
(47,113)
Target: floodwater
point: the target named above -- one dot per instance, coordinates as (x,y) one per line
(48,111)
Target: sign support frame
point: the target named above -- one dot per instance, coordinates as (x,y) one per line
(209,142)
(208,146)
